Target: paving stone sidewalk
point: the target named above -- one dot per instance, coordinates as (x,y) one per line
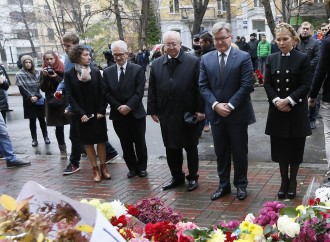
(264,182)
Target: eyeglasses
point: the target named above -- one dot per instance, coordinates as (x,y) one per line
(119,55)
(221,38)
(173,45)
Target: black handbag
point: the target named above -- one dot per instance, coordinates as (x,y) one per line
(55,103)
(190,118)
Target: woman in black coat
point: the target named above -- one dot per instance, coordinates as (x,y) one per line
(84,89)
(27,80)
(287,83)
(51,75)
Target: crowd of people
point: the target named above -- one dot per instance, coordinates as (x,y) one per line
(187,93)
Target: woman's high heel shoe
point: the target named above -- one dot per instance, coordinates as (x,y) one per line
(104,172)
(96,174)
(283,190)
(292,189)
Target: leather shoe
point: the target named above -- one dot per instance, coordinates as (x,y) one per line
(17,163)
(47,141)
(220,193)
(142,173)
(241,193)
(131,174)
(34,143)
(173,183)
(192,185)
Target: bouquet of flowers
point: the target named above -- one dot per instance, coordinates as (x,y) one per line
(259,76)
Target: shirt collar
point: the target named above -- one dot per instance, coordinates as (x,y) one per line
(287,54)
(118,66)
(226,52)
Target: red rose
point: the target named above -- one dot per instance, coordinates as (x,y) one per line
(58,95)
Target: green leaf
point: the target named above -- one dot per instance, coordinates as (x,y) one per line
(289,211)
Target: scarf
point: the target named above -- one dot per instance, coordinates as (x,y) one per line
(58,66)
(83,73)
(28,82)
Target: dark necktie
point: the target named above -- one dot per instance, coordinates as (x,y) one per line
(122,74)
(222,67)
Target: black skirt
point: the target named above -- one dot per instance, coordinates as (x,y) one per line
(289,150)
(94,131)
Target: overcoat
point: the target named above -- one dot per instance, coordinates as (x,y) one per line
(288,76)
(54,115)
(171,94)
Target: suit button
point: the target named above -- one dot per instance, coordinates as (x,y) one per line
(300,100)
(278,89)
(287,71)
(278,81)
(287,89)
(278,72)
(287,80)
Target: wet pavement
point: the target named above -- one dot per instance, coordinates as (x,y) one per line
(263,175)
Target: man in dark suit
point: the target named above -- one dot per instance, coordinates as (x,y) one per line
(124,92)
(173,92)
(226,81)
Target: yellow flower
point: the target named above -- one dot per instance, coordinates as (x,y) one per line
(218,236)
(245,226)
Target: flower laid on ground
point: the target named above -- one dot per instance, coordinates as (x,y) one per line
(323,193)
(51,222)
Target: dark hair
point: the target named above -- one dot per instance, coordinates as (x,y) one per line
(70,37)
(207,37)
(253,34)
(75,53)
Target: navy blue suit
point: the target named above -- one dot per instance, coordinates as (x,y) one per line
(229,133)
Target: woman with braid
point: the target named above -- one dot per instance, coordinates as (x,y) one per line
(287,83)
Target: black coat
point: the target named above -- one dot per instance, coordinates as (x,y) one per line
(170,96)
(3,97)
(129,93)
(283,80)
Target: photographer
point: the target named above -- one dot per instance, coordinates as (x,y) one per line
(109,57)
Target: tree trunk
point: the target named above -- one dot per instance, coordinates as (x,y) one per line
(118,20)
(269,16)
(3,54)
(200,7)
(143,22)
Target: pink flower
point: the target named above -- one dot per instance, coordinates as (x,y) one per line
(181,227)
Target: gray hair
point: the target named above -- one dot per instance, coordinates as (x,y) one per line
(119,44)
(173,33)
(220,26)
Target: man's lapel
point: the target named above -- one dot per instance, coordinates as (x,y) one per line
(230,63)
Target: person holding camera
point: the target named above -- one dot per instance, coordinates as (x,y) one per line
(27,80)
(50,77)
(109,57)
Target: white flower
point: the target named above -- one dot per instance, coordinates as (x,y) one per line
(249,218)
(118,208)
(323,193)
(287,226)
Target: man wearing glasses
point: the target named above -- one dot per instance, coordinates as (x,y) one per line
(226,81)
(173,95)
(124,90)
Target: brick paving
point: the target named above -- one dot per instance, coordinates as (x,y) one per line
(264,182)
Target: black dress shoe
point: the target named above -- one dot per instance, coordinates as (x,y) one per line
(131,174)
(283,190)
(47,141)
(34,142)
(241,193)
(173,183)
(292,190)
(220,193)
(142,173)
(17,163)
(192,185)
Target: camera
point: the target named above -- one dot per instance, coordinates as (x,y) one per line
(50,70)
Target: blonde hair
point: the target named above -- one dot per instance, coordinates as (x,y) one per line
(287,27)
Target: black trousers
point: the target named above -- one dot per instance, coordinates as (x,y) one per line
(175,161)
(131,133)
(33,127)
(231,140)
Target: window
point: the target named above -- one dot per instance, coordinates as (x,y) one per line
(318,1)
(87,9)
(220,6)
(295,3)
(258,25)
(51,35)
(17,2)
(257,3)
(16,16)
(174,6)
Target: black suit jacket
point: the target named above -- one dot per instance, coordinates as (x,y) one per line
(129,92)
(292,79)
